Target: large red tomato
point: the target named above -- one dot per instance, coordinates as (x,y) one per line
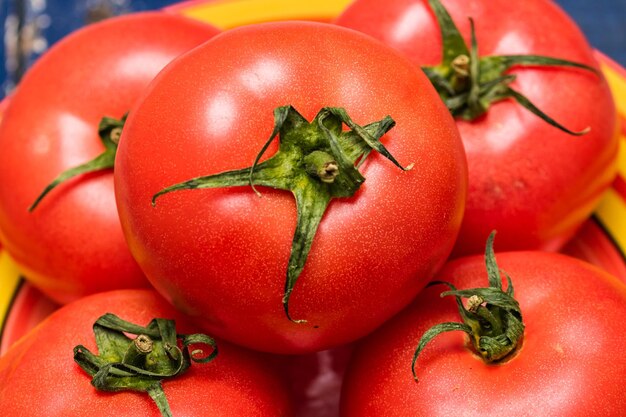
(3,105)
(222,254)
(72,243)
(570,362)
(530,181)
(38,376)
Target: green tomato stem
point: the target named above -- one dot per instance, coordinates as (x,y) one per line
(141,363)
(470,84)
(322,165)
(109,131)
(138,350)
(492,318)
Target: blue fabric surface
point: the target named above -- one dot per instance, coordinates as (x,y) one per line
(47,21)
(603,22)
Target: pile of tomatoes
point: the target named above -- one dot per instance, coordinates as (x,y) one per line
(293,187)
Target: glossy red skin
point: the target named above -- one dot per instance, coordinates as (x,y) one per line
(72,244)
(38,376)
(595,245)
(221,254)
(528,180)
(570,364)
(3,105)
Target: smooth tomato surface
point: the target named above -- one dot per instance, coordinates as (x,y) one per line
(528,180)
(72,243)
(3,105)
(221,254)
(38,376)
(570,362)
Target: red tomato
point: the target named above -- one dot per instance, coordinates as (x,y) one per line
(72,243)
(38,376)
(530,181)
(3,105)
(221,254)
(569,364)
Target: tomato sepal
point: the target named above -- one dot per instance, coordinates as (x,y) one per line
(141,363)
(469,84)
(109,130)
(301,166)
(492,318)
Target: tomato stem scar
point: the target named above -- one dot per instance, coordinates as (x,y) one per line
(322,165)
(461,65)
(138,350)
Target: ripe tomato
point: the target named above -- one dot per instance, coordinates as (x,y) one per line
(569,363)
(3,105)
(72,243)
(221,254)
(530,181)
(38,376)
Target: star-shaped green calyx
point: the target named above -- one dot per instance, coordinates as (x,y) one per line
(469,84)
(141,363)
(317,161)
(109,130)
(492,317)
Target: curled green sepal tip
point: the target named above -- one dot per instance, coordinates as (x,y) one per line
(491,317)
(470,84)
(141,363)
(316,161)
(109,130)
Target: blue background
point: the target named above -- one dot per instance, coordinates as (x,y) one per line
(603,21)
